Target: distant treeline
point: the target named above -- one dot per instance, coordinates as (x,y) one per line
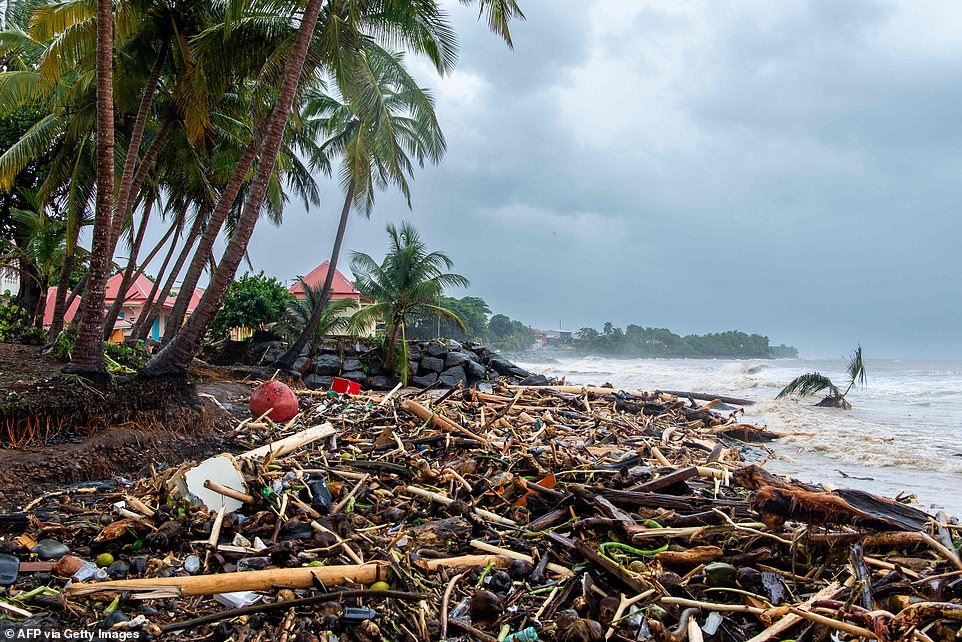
(510,335)
(638,341)
(498,331)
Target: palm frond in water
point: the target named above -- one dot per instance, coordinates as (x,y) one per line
(809,383)
(856,368)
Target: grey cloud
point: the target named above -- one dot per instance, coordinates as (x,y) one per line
(771,167)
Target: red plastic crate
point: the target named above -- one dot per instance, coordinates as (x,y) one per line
(345,386)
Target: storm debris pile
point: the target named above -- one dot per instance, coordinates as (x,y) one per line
(556,513)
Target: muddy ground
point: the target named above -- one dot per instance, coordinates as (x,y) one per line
(101,447)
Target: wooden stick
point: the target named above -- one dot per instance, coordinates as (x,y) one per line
(444,605)
(711,606)
(497,550)
(344,545)
(284,446)
(215,529)
(138,505)
(441,422)
(220,489)
(433,564)
(838,625)
(447,501)
(775,631)
(301,577)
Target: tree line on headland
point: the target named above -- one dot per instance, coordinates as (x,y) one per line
(510,335)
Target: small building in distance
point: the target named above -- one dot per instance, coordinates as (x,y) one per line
(341,288)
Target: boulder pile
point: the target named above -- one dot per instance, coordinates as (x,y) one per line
(442,363)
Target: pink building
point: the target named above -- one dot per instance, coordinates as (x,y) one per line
(131,310)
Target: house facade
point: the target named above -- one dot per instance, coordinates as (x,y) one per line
(131,310)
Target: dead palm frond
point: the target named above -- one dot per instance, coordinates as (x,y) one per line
(810,383)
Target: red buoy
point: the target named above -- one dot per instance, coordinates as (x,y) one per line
(276,397)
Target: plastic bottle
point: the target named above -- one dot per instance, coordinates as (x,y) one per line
(524,635)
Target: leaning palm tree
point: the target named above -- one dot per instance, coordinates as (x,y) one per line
(299,314)
(410,280)
(384,121)
(812,383)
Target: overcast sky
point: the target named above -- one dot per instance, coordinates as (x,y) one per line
(787,168)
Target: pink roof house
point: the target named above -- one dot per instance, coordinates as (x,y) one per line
(132,308)
(341,288)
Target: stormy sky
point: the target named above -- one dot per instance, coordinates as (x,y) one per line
(787,168)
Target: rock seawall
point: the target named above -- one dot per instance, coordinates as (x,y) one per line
(442,363)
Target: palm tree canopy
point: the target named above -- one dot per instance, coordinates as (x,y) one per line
(409,276)
(809,384)
(409,280)
(856,369)
(336,316)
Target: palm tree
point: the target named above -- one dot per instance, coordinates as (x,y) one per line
(299,317)
(813,383)
(410,280)
(386,119)
(42,252)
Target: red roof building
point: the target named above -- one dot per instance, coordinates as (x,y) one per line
(341,287)
(133,306)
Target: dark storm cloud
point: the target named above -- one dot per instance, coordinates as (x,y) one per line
(786,168)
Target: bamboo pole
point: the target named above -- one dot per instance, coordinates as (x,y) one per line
(497,550)
(301,577)
(441,422)
(287,445)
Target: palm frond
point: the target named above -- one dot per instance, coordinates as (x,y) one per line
(856,368)
(809,384)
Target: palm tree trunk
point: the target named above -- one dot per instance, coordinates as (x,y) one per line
(216,222)
(41,308)
(175,357)
(111,319)
(125,193)
(63,282)
(155,304)
(294,351)
(88,352)
(389,359)
(149,304)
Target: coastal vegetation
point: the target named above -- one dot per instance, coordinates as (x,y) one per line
(252,301)
(638,341)
(812,383)
(409,281)
(299,317)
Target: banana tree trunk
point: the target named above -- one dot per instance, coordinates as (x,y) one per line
(88,352)
(156,305)
(175,357)
(294,351)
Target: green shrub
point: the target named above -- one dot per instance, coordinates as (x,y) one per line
(133,356)
(11,321)
(33,336)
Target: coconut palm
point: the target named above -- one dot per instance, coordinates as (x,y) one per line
(385,121)
(813,383)
(42,250)
(299,318)
(410,280)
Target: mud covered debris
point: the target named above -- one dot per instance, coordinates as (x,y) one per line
(522,513)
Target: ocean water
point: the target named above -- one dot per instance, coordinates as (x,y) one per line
(903,434)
